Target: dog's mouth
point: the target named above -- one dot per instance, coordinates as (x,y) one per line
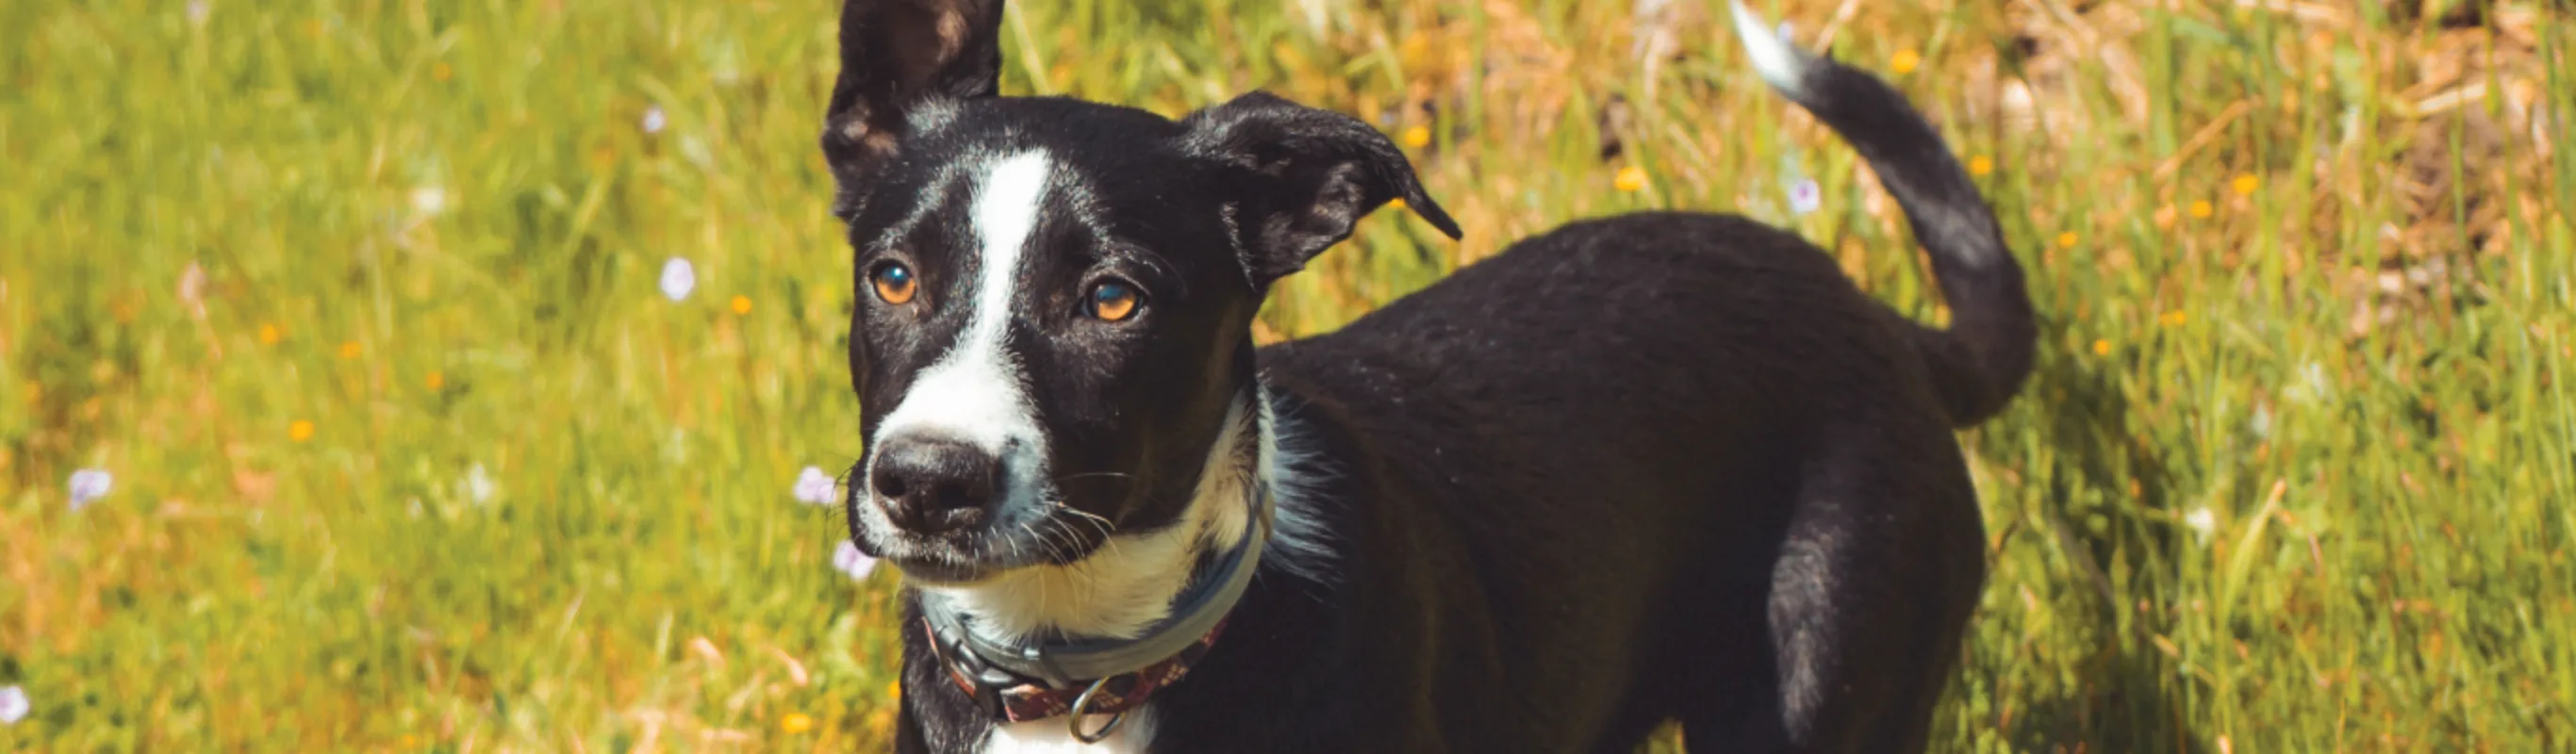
(939,569)
(1059,536)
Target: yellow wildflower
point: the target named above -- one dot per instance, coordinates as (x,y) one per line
(1417,137)
(2066,240)
(270,335)
(2200,208)
(742,305)
(795,722)
(2101,348)
(2245,184)
(1630,179)
(1980,165)
(299,430)
(1904,62)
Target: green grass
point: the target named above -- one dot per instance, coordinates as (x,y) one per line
(2382,465)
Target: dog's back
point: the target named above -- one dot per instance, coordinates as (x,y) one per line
(1682,465)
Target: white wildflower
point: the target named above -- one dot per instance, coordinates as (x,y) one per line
(13,705)
(654,120)
(2201,521)
(478,485)
(429,201)
(848,559)
(813,487)
(198,10)
(678,278)
(88,485)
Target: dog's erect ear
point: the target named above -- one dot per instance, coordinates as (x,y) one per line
(1301,177)
(896,56)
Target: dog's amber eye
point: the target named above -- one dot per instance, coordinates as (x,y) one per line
(895,283)
(1113,301)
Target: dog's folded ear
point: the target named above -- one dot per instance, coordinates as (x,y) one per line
(898,56)
(1300,177)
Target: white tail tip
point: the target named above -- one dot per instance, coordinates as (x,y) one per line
(1781,65)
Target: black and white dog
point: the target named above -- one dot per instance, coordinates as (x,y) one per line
(1658,467)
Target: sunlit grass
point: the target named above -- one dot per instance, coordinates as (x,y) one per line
(422,455)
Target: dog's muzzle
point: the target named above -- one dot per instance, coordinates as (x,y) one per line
(930,485)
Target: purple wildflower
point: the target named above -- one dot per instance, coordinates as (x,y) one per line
(848,559)
(88,485)
(1805,197)
(813,487)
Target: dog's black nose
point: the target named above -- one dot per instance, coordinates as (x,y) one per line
(930,485)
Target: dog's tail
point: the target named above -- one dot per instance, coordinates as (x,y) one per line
(1980,362)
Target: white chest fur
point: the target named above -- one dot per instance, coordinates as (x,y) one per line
(1053,736)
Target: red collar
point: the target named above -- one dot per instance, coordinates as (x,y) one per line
(1022,700)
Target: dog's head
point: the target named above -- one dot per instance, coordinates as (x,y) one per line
(1054,296)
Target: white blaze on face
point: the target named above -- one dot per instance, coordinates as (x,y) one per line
(975,393)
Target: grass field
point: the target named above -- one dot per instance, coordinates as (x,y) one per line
(356,302)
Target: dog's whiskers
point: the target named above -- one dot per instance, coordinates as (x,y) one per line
(1082,568)
(1045,539)
(1098,521)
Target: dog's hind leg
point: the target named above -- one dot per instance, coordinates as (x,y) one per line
(1876,575)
